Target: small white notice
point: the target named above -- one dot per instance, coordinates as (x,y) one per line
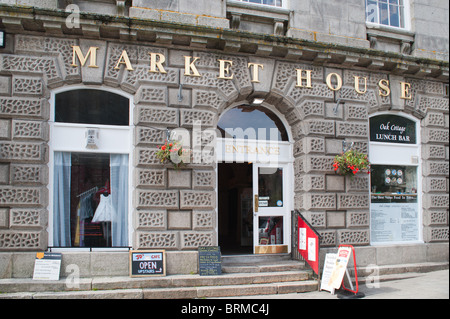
(330,261)
(47,266)
(302,238)
(311,249)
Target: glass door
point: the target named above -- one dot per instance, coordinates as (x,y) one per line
(270,209)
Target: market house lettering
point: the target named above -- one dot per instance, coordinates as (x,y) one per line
(304,77)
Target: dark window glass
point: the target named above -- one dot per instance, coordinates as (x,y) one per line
(91,107)
(252,122)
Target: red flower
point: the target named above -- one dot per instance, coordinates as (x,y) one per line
(163,147)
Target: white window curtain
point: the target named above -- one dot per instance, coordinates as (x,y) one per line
(61,199)
(119,197)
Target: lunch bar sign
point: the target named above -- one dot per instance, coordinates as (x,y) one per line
(392,129)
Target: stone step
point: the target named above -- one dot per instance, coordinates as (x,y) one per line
(171,281)
(174,293)
(289,265)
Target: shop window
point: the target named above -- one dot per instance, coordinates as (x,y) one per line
(390,13)
(90,178)
(394,182)
(252,122)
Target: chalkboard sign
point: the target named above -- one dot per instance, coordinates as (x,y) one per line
(209,261)
(147,263)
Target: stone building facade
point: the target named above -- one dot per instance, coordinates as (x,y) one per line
(320,67)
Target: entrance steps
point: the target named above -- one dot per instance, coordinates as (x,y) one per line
(260,263)
(266,275)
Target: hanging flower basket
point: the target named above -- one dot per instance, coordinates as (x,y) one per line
(173,152)
(351,162)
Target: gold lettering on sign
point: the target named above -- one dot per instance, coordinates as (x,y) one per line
(338,80)
(384,86)
(255,71)
(300,78)
(405,90)
(225,69)
(156,61)
(124,59)
(92,53)
(303,77)
(190,66)
(357,85)
(245,149)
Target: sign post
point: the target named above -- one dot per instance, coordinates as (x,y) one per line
(308,243)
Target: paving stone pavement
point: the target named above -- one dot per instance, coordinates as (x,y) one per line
(431,285)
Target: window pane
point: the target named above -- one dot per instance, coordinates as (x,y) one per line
(252,122)
(270,187)
(270,230)
(91,107)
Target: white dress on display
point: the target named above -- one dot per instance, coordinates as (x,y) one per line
(105,210)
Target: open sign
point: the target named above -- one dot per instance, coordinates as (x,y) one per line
(147,263)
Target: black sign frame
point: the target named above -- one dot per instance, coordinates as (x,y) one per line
(147,263)
(209,261)
(390,128)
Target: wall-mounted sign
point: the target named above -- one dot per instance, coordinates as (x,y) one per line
(308,243)
(389,128)
(147,263)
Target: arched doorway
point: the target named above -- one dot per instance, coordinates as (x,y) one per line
(255,191)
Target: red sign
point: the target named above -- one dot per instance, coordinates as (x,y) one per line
(308,243)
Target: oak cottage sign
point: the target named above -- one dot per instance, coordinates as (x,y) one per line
(392,129)
(157,60)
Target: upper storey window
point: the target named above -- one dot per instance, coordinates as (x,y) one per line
(391,13)
(274,3)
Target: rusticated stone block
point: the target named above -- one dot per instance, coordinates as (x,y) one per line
(197,199)
(180,178)
(203,220)
(335,219)
(349,201)
(21,151)
(22,217)
(157,239)
(335,183)
(157,198)
(13,196)
(18,106)
(179,219)
(151,177)
(152,219)
(319,201)
(24,240)
(354,237)
(192,240)
(203,179)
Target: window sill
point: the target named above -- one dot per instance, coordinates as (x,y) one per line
(256,13)
(377,34)
(257,7)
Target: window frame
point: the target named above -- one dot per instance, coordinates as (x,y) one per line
(284,4)
(55,131)
(397,154)
(406,17)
